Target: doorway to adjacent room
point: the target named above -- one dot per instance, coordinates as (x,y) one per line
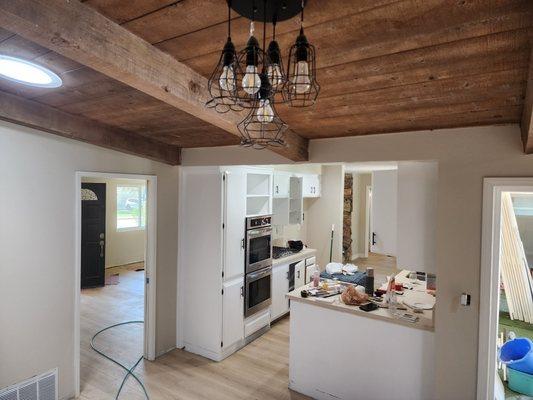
(506,302)
(115,259)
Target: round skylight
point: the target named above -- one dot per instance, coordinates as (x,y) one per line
(25,72)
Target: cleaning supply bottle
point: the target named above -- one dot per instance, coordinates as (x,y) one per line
(369,282)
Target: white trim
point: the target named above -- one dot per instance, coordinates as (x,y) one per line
(490,277)
(150,265)
(368,222)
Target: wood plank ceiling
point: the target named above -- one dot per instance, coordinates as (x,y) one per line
(384,66)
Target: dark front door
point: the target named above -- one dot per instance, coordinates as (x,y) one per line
(92,234)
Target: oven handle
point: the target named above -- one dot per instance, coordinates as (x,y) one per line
(259,274)
(259,232)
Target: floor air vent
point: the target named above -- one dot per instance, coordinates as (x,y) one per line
(40,387)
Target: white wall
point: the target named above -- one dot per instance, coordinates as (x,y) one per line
(121,246)
(325,211)
(384,211)
(465,156)
(417,215)
(37,214)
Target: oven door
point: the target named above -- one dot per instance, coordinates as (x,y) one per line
(258,291)
(258,249)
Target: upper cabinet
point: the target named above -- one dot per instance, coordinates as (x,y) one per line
(295,200)
(281,184)
(311,185)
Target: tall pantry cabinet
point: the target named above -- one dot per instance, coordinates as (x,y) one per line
(212,212)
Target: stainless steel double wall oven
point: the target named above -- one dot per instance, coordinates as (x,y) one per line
(258,264)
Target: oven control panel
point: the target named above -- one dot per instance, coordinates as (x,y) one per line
(258,222)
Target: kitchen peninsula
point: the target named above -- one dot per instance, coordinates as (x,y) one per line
(341,352)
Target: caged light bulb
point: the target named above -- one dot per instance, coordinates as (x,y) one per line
(301,81)
(227,78)
(274,75)
(251,82)
(265,113)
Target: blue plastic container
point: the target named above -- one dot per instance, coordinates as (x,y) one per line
(520,382)
(518,355)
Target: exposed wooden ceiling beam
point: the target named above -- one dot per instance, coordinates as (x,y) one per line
(80,33)
(36,115)
(527,113)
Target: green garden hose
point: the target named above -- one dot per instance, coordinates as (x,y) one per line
(129,371)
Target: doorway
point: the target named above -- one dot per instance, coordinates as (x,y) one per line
(503,261)
(115,269)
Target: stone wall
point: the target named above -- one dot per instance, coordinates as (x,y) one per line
(347,218)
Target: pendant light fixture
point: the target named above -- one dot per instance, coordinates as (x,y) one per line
(222,84)
(275,71)
(251,59)
(302,87)
(263,127)
(252,78)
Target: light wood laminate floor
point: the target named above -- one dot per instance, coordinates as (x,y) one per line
(258,371)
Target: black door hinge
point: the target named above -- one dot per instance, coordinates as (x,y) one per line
(223,225)
(222,291)
(147,280)
(224,177)
(222,274)
(221,344)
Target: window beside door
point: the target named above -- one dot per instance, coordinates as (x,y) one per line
(131,207)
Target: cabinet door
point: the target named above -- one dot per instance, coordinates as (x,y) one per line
(280,287)
(295,200)
(234,220)
(233,312)
(299,274)
(311,185)
(281,184)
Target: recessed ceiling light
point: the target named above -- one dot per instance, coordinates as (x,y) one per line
(28,73)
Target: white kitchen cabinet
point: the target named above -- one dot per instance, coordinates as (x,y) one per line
(280,287)
(299,274)
(233,312)
(295,200)
(211,213)
(311,185)
(234,216)
(281,184)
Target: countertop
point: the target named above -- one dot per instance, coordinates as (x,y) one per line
(305,253)
(425,320)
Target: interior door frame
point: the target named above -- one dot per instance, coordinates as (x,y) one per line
(368,220)
(149,264)
(490,277)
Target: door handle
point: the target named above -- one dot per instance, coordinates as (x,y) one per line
(102,248)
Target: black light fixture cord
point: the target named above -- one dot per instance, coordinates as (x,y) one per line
(229,19)
(302,17)
(264,27)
